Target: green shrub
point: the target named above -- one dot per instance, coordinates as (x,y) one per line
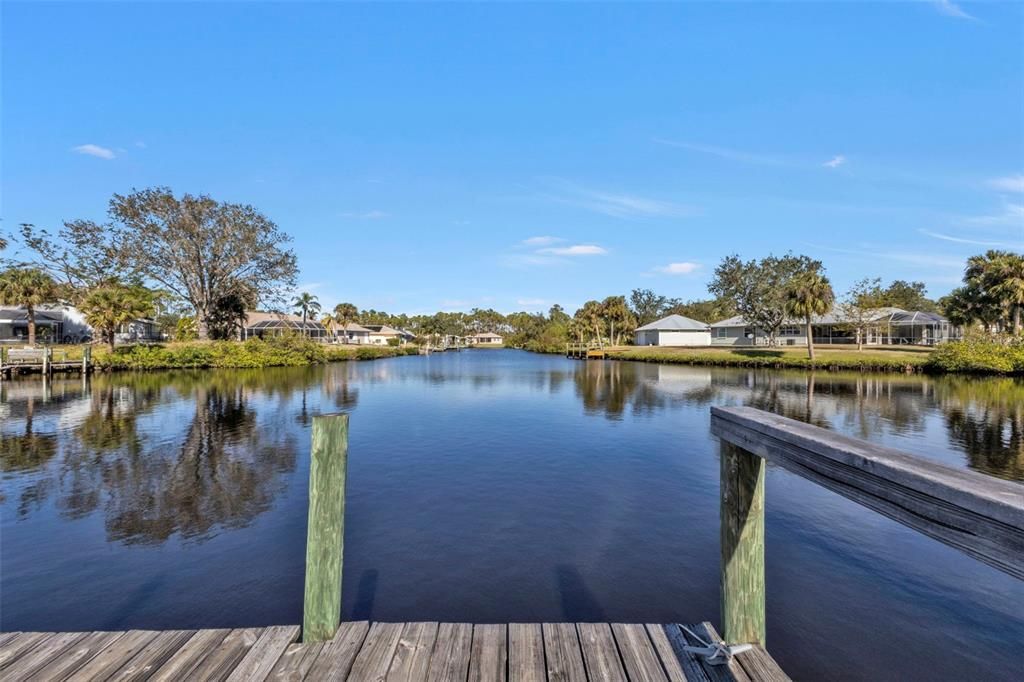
(981,355)
(280,351)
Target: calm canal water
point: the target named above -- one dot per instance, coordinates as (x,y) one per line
(495,486)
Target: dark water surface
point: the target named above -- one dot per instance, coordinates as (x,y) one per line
(495,486)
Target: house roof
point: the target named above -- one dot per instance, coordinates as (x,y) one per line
(837,316)
(263,320)
(382,330)
(486,335)
(674,323)
(21,315)
(355,327)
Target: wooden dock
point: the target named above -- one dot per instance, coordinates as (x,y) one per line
(519,652)
(976,514)
(585,351)
(42,360)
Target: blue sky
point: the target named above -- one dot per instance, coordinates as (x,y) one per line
(446,156)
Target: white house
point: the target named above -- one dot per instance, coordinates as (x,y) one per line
(485,338)
(381,335)
(885,325)
(674,330)
(353,332)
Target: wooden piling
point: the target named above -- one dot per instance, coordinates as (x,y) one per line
(46,360)
(328,464)
(742,536)
(86,358)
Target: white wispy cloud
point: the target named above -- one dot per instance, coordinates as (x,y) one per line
(1010,183)
(726,153)
(951,9)
(1012,214)
(365,215)
(617,204)
(531,302)
(94,150)
(574,250)
(542,241)
(975,242)
(683,268)
(835,162)
(140,144)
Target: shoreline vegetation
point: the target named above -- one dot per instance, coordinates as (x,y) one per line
(251,353)
(974,355)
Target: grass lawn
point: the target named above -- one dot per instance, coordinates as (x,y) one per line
(883,358)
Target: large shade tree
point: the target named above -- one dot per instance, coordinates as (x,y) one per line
(29,288)
(759,288)
(809,294)
(193,246)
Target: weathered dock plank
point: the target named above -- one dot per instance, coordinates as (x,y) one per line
(488,653)
(600,654)
(562,650)
(638,654)
(526,653)
(383,652)
(412,656)
(337,655)
(266,650)
(374,659)
(450,660)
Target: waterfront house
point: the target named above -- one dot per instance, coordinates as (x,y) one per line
(382,335)
(674,330)
(883,326)
(262,324)
(485,339)
(353,332)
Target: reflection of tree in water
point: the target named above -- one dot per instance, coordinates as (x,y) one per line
(223,473)
(337,385)
(985,417)
(28,451)
(608,388)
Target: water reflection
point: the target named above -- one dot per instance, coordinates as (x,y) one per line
(189,452)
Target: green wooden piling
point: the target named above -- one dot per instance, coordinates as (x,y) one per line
(328,464)
(742,532)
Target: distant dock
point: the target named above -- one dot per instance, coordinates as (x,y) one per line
(43,360)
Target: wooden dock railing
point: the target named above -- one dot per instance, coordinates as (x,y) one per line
(977,514)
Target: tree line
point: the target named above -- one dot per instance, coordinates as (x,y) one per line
(197,265)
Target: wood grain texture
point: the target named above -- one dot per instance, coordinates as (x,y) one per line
(638,655)
(692,668)
(669,661)
(562,652)
(374,658)
(328,463)
(142,665)
(600,653)
(296,662)
(742,545)
(526,653)
(337,656)
(75,656)
(192,652)
(106,662)
(223,658)
(450,660)
(266,650)
(412,655)
(980,515)
(730,672)
(488,653)
(38,656)
(18,645)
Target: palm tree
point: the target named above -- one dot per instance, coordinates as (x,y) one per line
(306,303)
(1008,284)
(809,294)
(28,287)
(330,324)
(107,308)
(345,313)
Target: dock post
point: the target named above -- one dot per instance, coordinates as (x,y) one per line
(46,361)
(742,535)
(328,464)
(86,357)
